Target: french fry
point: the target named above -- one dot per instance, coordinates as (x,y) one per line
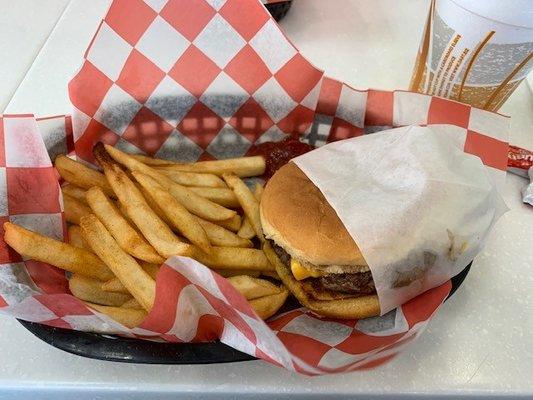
(151,226)
(246,230)
(151,160)
(128,317)
(253,288)
(178,215)
(234,258)
(128,238)
(114,284)
(248,202)
(223,196)
(154,206)
(80,175)
(89,289)
(74,209)
(258,191)
(128,271)
(151,269)
(226,273)
(76,239)
(124,213)
(267,306)
(195,179)
(233,224)
(193,202)
(271,274)
(132,303)
(62,255)
(197,204)
(242,167)
(219,236)
(74,191)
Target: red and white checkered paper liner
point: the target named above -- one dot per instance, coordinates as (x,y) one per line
(153,80)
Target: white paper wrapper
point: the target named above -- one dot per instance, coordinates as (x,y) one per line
(416,204)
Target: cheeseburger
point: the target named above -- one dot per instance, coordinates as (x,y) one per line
(313,253)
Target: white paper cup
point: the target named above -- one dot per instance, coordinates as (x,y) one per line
(476,52)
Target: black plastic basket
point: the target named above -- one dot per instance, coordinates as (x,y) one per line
(279,9)
(113,348)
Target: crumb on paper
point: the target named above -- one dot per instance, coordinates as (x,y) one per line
(406,278)
(455,251)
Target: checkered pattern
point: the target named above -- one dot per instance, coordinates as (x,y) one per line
(198,69)
(294,340)
(344,112)
(297,340)
(29,196)
(56,132)
(188,98)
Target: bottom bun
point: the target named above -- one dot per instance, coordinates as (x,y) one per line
(350,308)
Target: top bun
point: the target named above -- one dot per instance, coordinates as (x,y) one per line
(297,217)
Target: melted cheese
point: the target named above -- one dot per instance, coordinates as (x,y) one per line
(300,271)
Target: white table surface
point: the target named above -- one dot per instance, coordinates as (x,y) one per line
(24,27)
(481,341)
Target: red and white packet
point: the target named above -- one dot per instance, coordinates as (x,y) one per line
(519,161)
(210,79)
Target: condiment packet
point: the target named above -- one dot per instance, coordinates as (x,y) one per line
(519,160)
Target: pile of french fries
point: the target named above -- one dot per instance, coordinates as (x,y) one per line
(126,220)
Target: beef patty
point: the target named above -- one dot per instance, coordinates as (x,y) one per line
(360,283)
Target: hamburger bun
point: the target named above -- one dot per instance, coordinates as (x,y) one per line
(296,216)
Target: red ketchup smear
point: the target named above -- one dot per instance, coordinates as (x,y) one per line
(277,154)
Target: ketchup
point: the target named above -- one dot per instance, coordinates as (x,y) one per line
(277,154)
